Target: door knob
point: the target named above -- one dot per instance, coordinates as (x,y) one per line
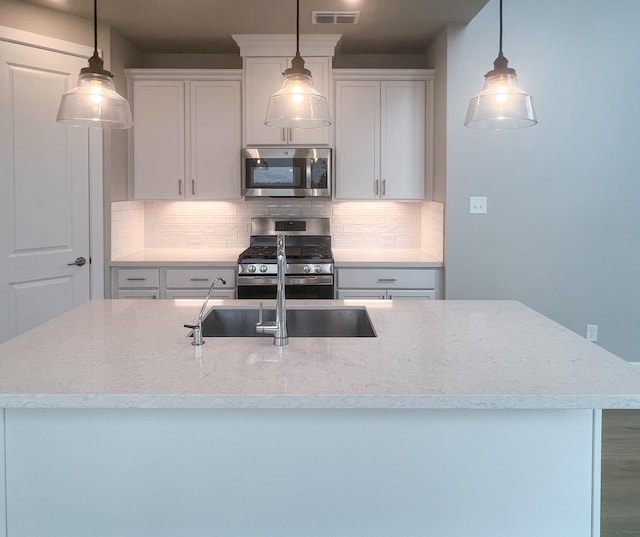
(78,262)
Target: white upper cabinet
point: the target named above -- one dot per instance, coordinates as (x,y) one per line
(187,134)
(262,78)
(383,133)
(215,140)
(265,58)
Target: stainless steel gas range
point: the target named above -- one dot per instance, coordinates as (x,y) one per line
(309,259)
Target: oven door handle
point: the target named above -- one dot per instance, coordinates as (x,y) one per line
(309,280)
(289,280)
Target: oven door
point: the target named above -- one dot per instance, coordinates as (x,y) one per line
(301,287)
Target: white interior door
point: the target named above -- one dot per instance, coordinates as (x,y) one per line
(44,190)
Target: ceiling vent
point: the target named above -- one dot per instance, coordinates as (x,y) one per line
(335,17)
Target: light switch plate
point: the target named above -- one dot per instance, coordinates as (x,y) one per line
(477,205)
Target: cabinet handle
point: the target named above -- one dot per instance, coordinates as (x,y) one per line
(375,187)
(136,279)
(283,135)
(179,187)
(193,187)
(199,279)
(384,187)
(386,280)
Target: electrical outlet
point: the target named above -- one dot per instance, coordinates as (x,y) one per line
(477,205)
(592,332)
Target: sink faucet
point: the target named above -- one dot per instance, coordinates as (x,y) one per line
(197,328)
(279,327)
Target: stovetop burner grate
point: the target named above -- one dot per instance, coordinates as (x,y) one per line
(306,253)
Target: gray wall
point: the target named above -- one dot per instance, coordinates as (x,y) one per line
(563,229)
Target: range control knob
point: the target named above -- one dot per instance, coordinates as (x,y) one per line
(317,268)
(252,268)
(263,268)
(307,269)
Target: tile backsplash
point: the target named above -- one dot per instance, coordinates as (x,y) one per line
(357,225)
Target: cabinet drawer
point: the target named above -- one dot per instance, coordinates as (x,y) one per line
(363,294)
(199,278)
(386,278)
(199,293)
(137,278)
(138,293)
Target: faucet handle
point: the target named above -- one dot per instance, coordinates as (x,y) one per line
(196,334)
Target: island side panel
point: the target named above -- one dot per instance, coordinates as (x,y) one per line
(597,473)
(3,463)
(294,472)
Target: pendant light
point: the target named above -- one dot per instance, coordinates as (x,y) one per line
(297,104)
(501,104)
(94,102)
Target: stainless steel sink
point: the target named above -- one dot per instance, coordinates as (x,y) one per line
(306,322)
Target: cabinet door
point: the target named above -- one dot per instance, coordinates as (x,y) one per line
(402,140)
(158,139)
(215,140)
(362,294)
(263,77)
(411,294)
(138,294)
(357,139)
(174,294)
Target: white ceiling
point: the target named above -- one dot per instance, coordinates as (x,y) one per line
(205,26)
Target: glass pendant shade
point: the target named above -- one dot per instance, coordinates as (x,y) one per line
(501,104)
(297,104)
(94,102)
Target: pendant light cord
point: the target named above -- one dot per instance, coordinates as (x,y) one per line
(500,27)
(95,27)
(298,26)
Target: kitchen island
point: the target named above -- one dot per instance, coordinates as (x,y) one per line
(459,418)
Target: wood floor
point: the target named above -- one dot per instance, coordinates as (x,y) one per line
(620,473)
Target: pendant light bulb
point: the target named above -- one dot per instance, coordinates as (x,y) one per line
(501,104)
(297,104)
(94,102)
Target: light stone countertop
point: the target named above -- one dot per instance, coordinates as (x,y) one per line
(387,258)
(176,257)
(428,354)
(347,257)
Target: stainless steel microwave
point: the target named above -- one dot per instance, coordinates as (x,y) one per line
(286,172)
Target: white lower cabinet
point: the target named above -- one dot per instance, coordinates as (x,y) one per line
(388,284)
(172,283)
